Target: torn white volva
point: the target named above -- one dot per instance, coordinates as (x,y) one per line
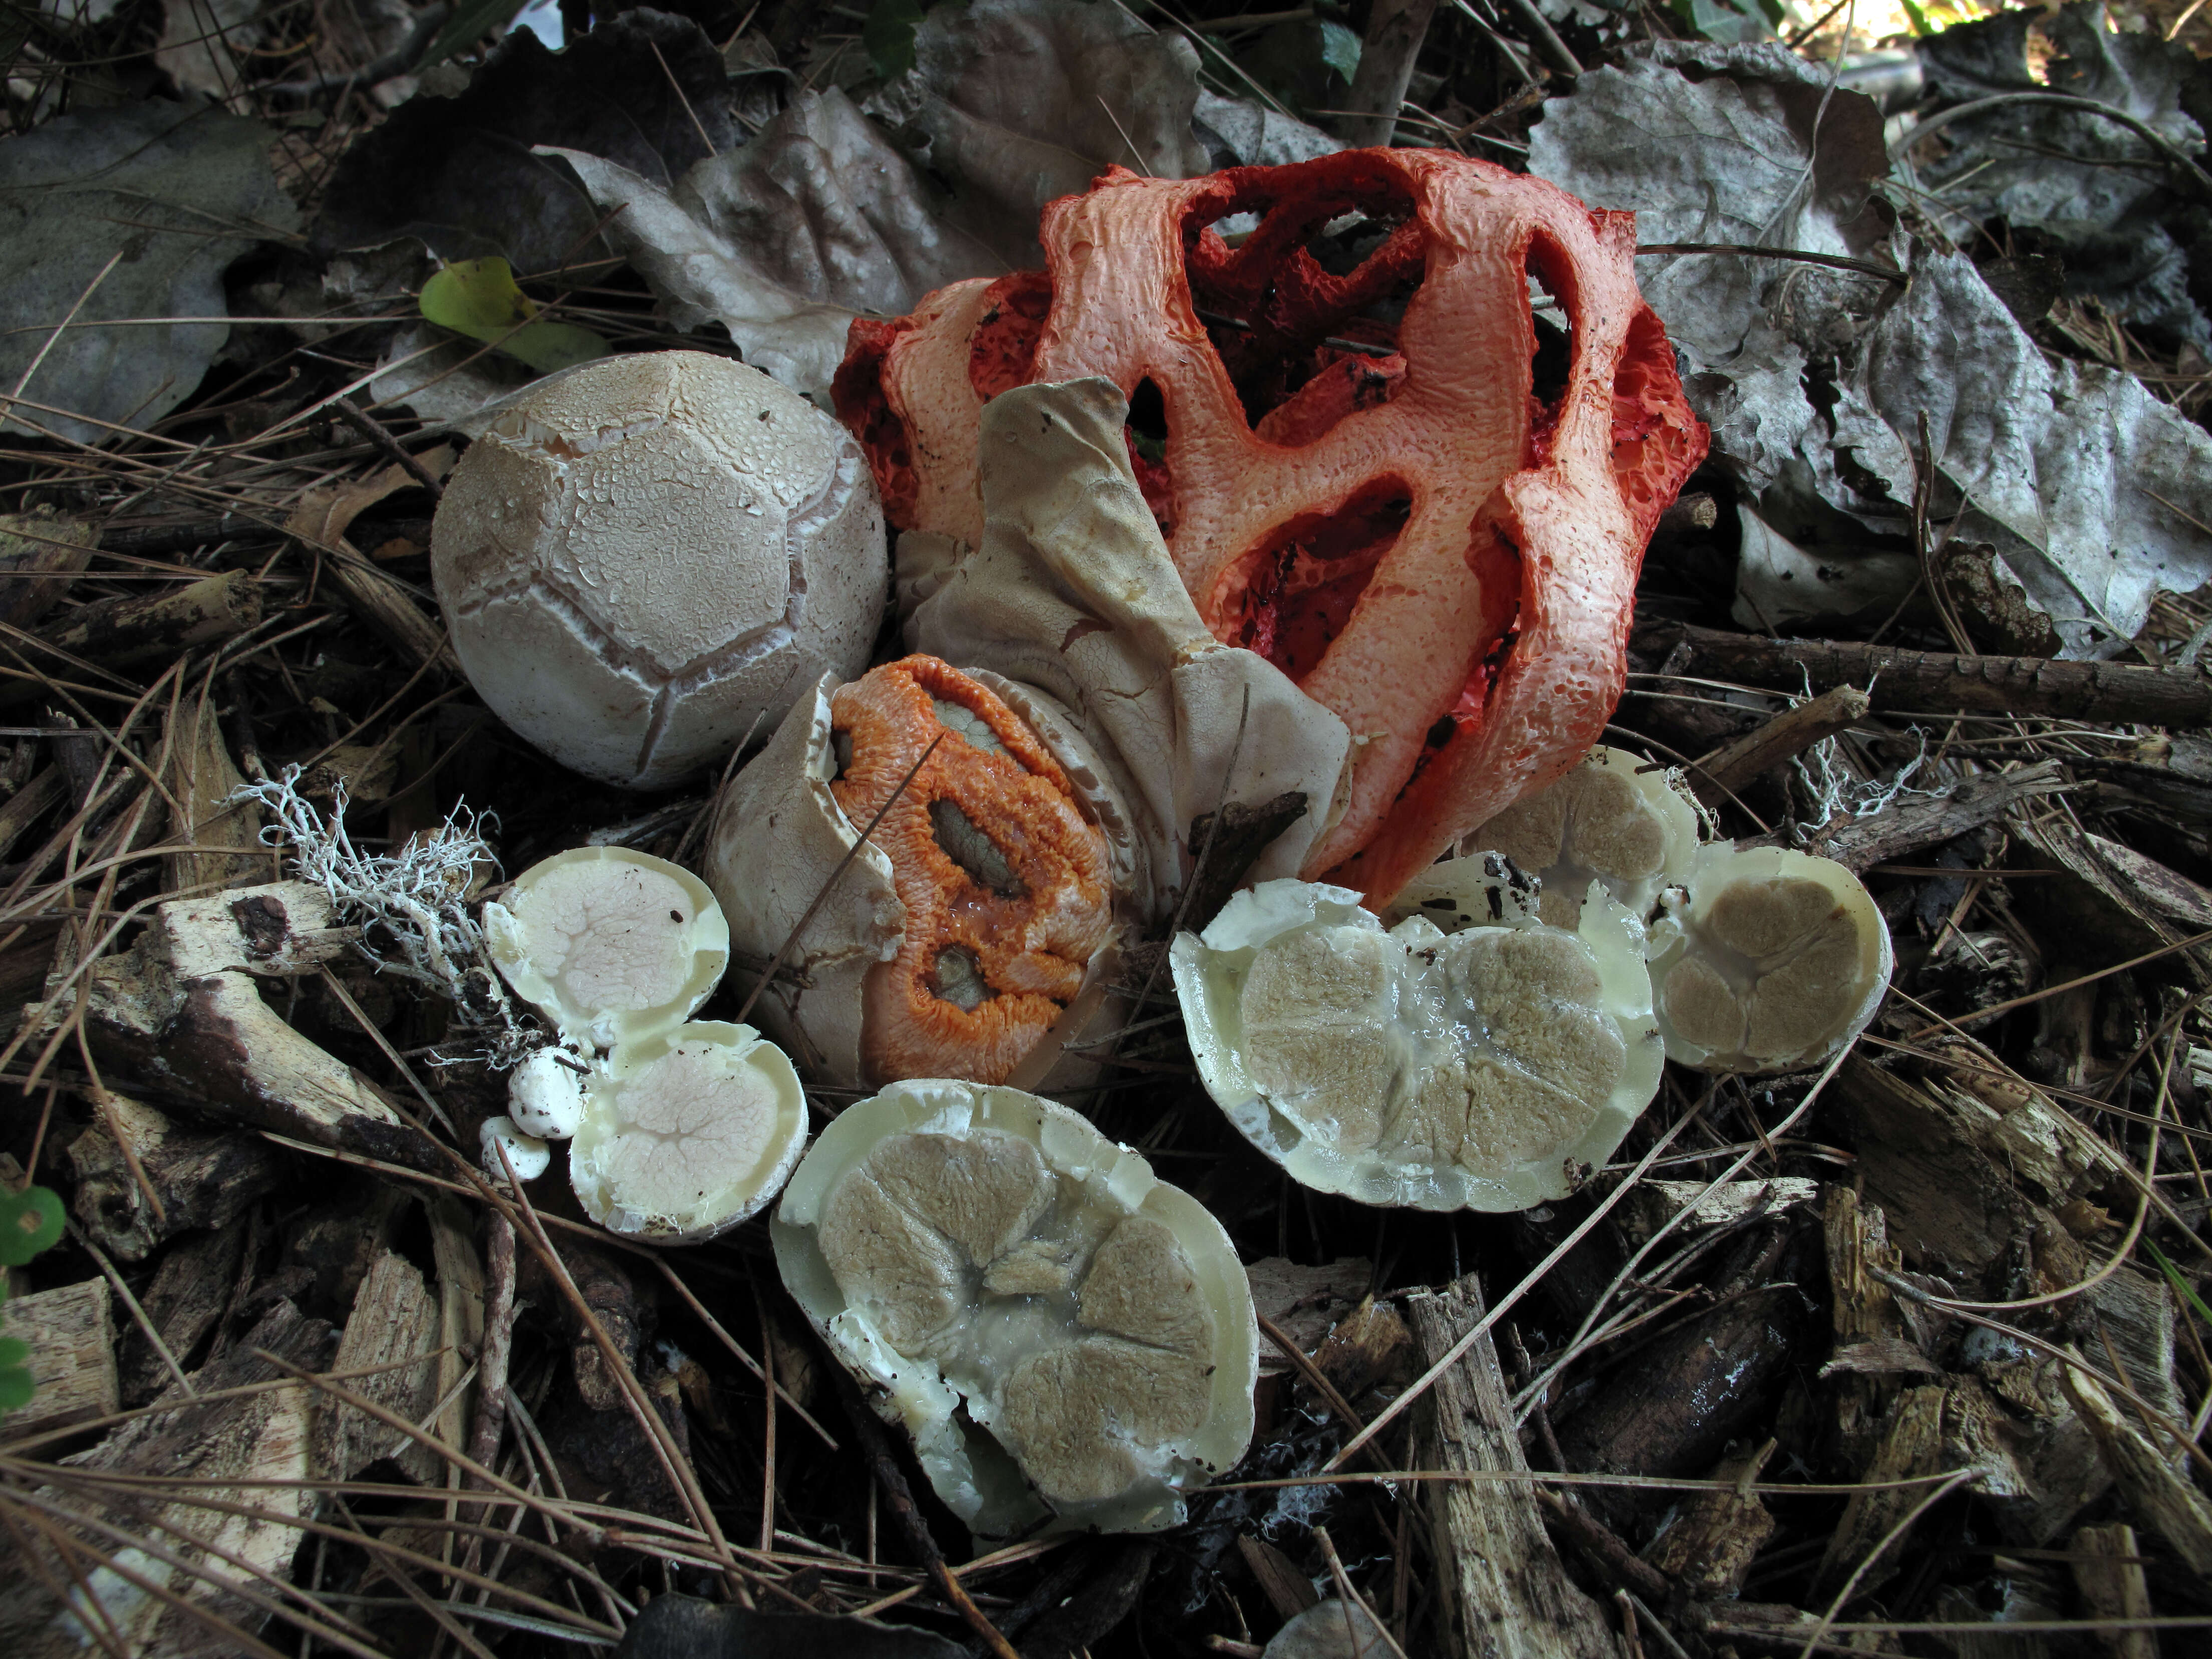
(608,943)
(1069,1340)
(1613,819)
(1767,960)
(1472,1057)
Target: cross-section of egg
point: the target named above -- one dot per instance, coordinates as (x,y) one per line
(1471,1057)
(1069,1340)
(1614,819)
(1767,960)
(608,943)
(686,1132)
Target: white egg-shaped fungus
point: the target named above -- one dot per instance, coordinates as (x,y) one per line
(1766,960)
(526,1155)
(644,556)
(545,1094)
(1472,1057)
(1611,819)
(687,1131)
(608,943)
(1069,1340)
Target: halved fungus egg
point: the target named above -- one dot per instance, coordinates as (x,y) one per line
(1069,1340)
(1612,819)
(682,1129)
(1767,960)
(965,925)
(1472,1057)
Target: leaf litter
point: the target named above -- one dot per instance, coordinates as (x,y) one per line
(1906,1356)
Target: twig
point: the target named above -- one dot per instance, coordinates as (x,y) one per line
(877,1445)
(387,446)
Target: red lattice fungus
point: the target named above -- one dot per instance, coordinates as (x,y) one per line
(1365,466)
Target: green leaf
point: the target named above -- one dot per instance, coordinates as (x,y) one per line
(479,297)
(1340,50)
(2182,1287)
(30,1221)
(888,36)
(16,1388)
(14,1351)
(471,20)
(1725,23)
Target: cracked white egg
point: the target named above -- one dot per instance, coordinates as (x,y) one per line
(1068,1340)
(609,943)
(643,557)
(526,1155)
(1472,1057)
(687,1133)
(1612,819)
(1766,960)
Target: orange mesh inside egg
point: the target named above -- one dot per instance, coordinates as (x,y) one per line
(1005,881)
(1367,466)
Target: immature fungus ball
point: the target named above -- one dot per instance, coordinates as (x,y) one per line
(971,916)
(545,1094)
(1768,960)
(1472,1057)
(645,556)
(526,1155)
(1612,820)
(608,942)
(1069,1340)
(688,1132)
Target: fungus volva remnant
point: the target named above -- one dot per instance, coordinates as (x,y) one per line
(644,556)
(1766,960)
(1068,1340)
(965,925)
(687,1131)
(1472,1057)
(609,943)
(1613,819)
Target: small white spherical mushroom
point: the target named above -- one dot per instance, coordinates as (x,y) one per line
(545,1094)
(1769,960)
(1609,820)
(528,1156)
(1471,1057)
(608,943)
(646,555)
(687,1131)
(1069,1340)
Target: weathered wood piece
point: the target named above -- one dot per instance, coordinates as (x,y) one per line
(393,1319)
(1787,736)
(1653,1204)
(1713,1538)
(1289,1592)
(1911,1445)
(41,553)
(1862,1311)
(202,779)
(190,1291)
(2114,1589)
(1395,29)
(2163,1500)
(218,1443)
(117,633)
(72,1361)
(2032,687)
(1504,1593)
(460,1334)
(1859,844)
(180,1012)
(29,803)
(202,1177)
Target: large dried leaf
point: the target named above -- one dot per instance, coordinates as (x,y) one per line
(466,175)
(1814,381)
(784,241)
(2085,183)
(1020,102)
(179,191)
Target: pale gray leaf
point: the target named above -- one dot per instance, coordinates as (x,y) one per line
(180,192)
